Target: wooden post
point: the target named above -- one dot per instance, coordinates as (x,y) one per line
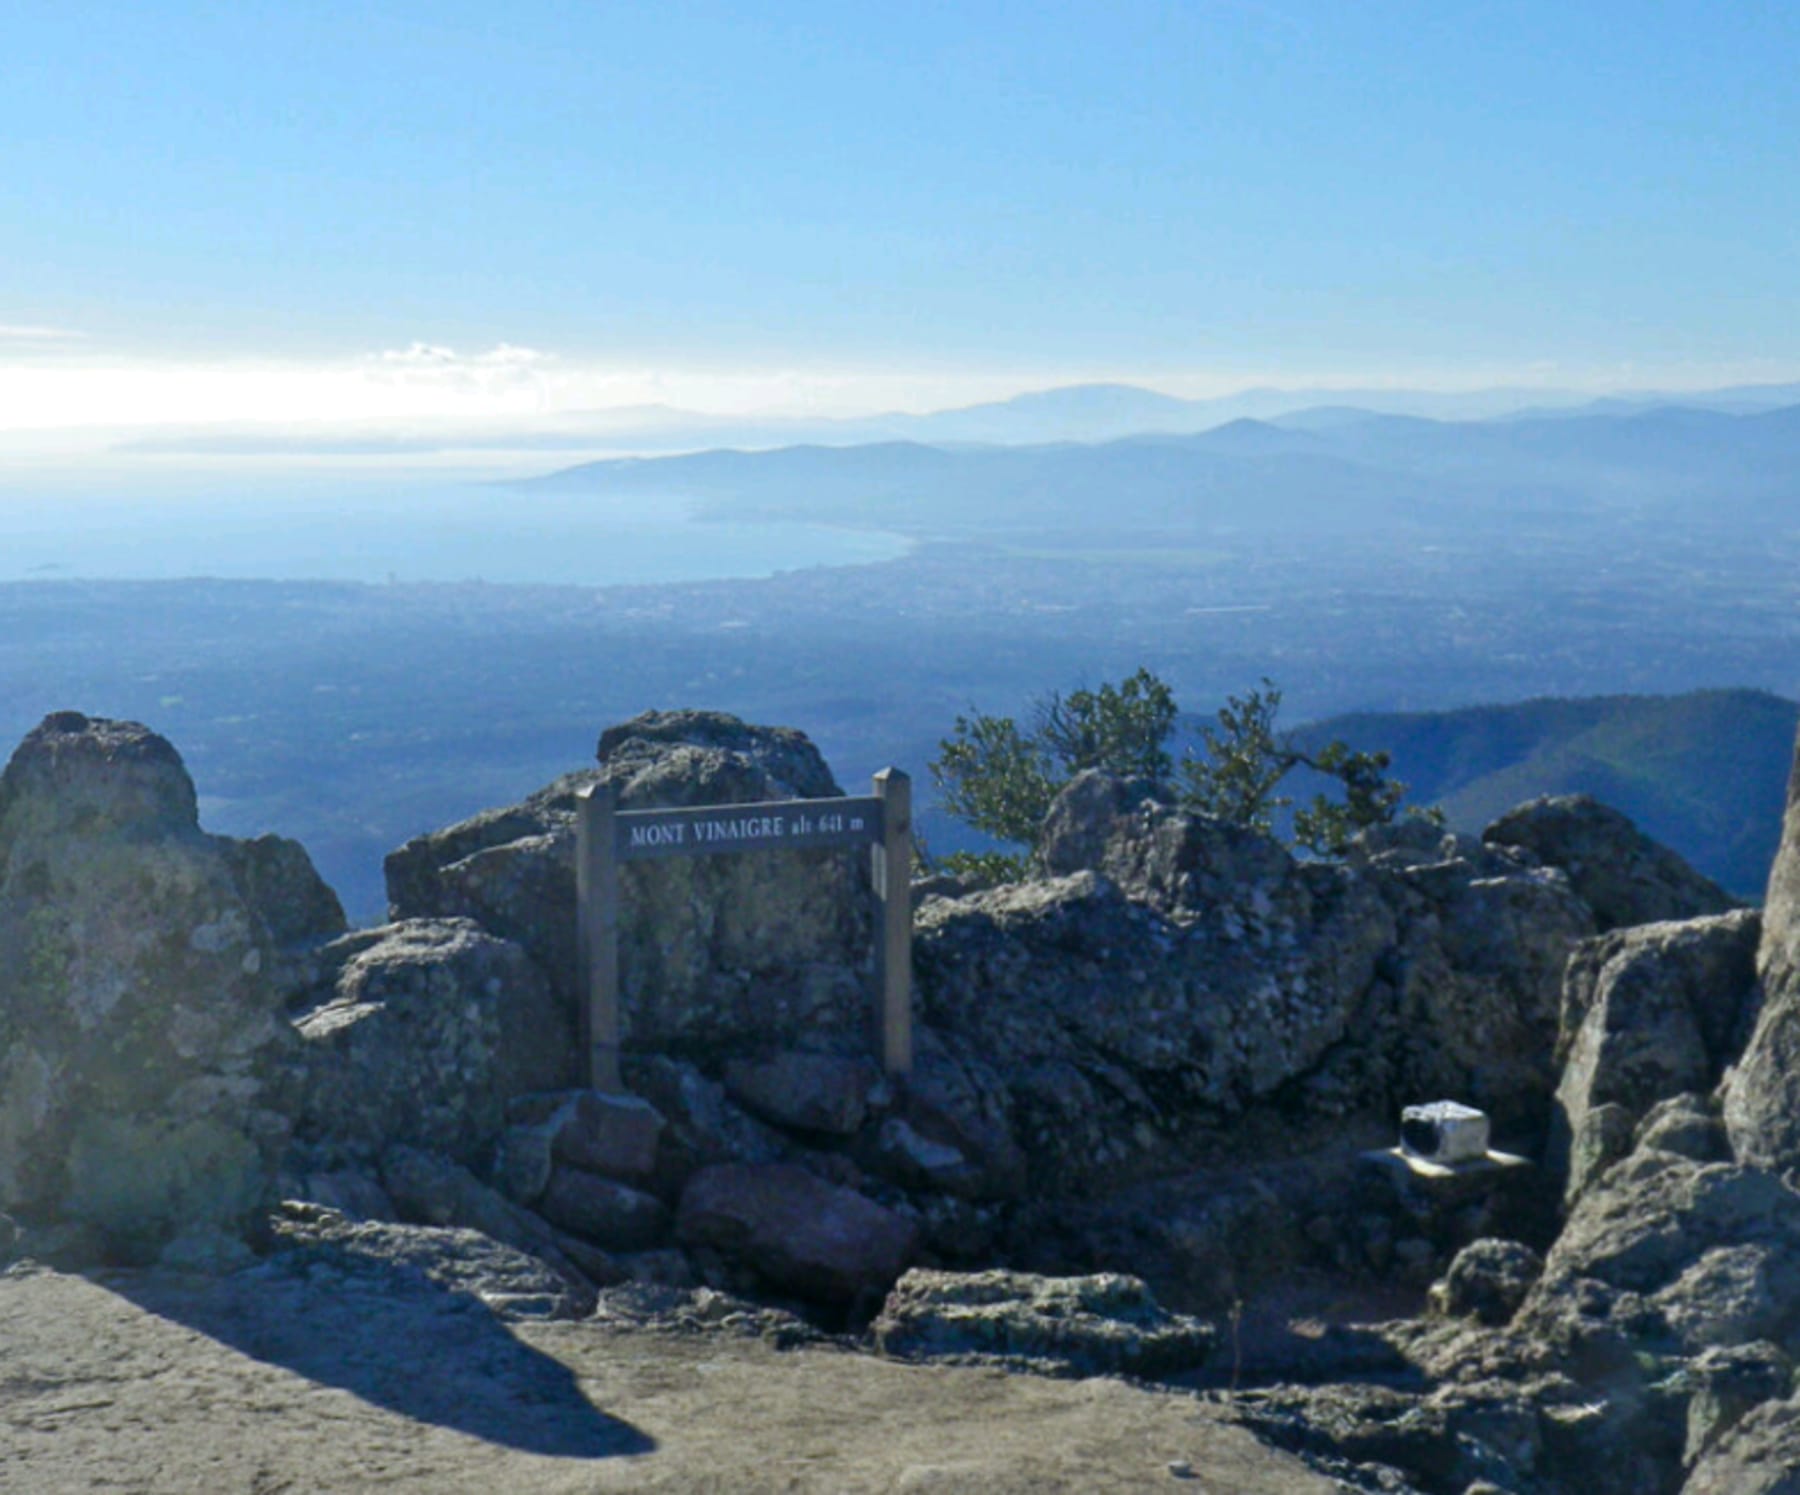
(893,937)
(597,913)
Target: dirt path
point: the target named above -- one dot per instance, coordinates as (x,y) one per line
(149,1383)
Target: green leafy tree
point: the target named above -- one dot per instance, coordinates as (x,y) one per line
(1001,780)
(1245,759)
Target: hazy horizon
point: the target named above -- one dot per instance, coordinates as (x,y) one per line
(335,212)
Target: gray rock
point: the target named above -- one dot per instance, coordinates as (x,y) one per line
(1762,1094)
(1725,1384)
(1089,1003)
(430,1190)
(1477,965)
(1106,1324)
(804,1091)
(352,1193)
(804,1235)
(138,1026)
(1487,1281)
(316,1242)
(1084,817)
(716,951)
(1760,1455)
(617,1135)
(1647,1015)
(1618,871)
(703,1124)
(278,880)
(1673,1256)
(1687,1126)
(425,1031)
(602,1210)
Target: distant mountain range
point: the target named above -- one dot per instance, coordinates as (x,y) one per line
(1327,471)
(1080,412)
(1704,773)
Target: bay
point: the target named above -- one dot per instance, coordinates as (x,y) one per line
(281,521)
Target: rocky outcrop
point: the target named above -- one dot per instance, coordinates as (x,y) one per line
(1762,1095)
(1106,1324)
(1618,871)
(1758,1455)
(1194,971)
(1475,970)
(1649,1013)
(136,1010)
(713,952)
(420,1033)
(1667,1255)
(279,881)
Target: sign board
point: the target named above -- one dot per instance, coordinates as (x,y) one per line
(607,837)
(785,825)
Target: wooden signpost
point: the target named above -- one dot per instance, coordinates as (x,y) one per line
(607,836)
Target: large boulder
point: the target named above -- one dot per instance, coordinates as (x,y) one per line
(1666,1255)
(1179,972)
(1476,969)
(805,1236)
(1762,1094)
(1624,876)
(1105,1324)
(712,950)
(1759,1455)
(1649,1012)
(136,1011)
(1200,968)
(421,1033)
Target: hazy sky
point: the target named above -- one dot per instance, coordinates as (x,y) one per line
(320,208)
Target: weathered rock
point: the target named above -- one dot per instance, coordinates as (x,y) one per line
(1674,1256)
(1761,1096)
(136,1016)
(279,881)
(1477,969)
(717,951)
(616,1135)
(956,1099)
(1760,1455)
(704,1124)
(804,1091)
(1648,1014)
(1487,1281)
(904,1154)
(1687,1126)
(317,1242)
(352,1193)
(602,1210)
(432,1190)
(1106,1324)
(1724,1384)
(1106,1015)
(1618,871)
(1085,816)
(425,1031)
(804,1235)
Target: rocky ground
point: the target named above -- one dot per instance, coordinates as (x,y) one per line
(290,1206)
(153,1382)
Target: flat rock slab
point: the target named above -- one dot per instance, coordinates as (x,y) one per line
(152,1383)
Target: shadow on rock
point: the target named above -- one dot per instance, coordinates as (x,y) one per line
(387,1332)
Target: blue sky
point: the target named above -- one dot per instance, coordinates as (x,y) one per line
(784,203)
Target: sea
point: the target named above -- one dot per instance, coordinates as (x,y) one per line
(378,521)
